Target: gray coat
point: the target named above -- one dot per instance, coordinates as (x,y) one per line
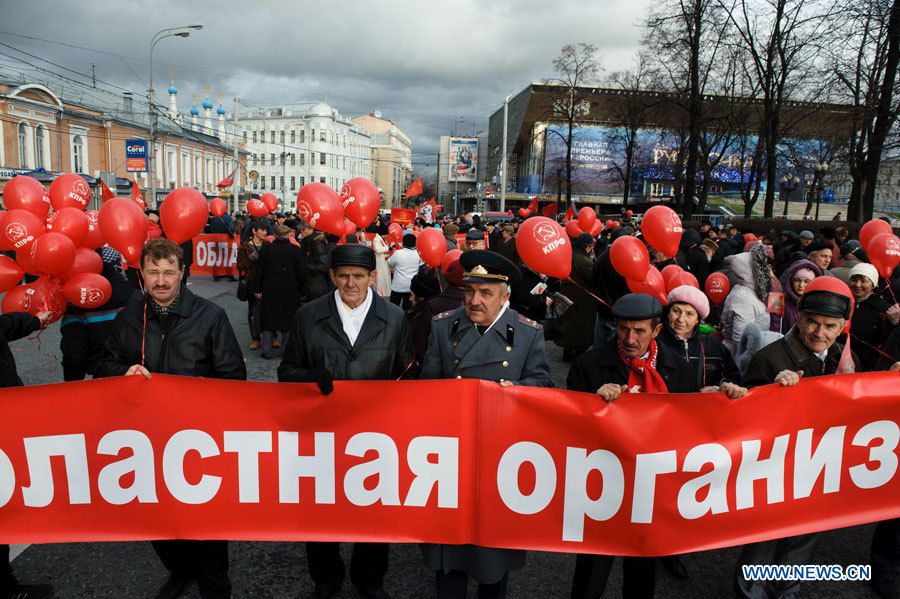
(512,350)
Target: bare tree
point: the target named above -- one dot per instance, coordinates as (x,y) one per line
(575,67)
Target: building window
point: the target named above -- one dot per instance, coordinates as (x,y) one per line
(302,181)
(321,179)
(273,137)
(282,137)
(302,159)
(273,181)
(282,159)
(303,136)
(262,182)
(322,135)
(39,146)
(23,140)
(273,156)
(78,154)
(245,137)
(281,179)
(254,137)
(293,159)
(293,183)
(312,135)
(293,136)
(322,158)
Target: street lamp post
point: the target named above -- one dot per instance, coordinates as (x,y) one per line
(151,97)
(820,169)
(788,185)
(503,158)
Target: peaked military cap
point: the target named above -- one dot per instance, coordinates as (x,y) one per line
(483,266)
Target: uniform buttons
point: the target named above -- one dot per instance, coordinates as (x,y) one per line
(508,348)
(456,361)
(459,376)
(455,343)
(505,364)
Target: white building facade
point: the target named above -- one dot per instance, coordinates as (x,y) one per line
(292,145)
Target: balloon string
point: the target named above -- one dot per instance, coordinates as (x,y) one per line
(888,356)
(588,291)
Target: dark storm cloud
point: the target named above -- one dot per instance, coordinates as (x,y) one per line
(422,64)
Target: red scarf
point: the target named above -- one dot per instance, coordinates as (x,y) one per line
(642,375)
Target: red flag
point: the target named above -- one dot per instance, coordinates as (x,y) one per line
(227,181)
(136,195)
(105,192)
(570,211)
(427,211)
(533,206)
(415,189)
(550,209)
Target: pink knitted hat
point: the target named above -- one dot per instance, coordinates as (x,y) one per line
(687,294)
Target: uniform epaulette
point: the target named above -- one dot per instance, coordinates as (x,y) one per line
(529,322)
(442,315)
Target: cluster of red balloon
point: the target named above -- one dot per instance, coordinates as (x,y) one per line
(882,246)
(325,210)
(57,247)
(585,223)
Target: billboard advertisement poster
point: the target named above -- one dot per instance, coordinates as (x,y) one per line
(136,155)
(463,159)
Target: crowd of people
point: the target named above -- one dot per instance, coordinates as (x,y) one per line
(366,307)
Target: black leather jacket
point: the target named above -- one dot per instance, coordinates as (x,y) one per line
(195,339)
(383,349)
(704,360)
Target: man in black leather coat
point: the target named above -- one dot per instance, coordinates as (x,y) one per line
(351,334)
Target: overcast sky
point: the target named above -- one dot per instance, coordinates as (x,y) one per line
(422,64)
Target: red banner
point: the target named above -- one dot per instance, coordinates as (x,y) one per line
(129,459)
(215,254)
(403,216)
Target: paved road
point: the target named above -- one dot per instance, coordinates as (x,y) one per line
(278,570)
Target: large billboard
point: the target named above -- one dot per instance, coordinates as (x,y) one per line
(599,158)
(463,159)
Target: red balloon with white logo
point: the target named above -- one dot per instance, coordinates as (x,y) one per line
(270,201)
(86,260)
(257,208)
(361,201)
(18,299)
(320,206)
(183,214)
(431,246)
(586,219)
(87,290)
(545,247)
(630,259)
(70,191)
(53,253)
(26,193)
(653,284)
(19,229)
(661,228)
(124,226)
(94,237)
(27,263)
(217,206)
(11,273)
(872,229)
(71,222)
(884,253)
(717,287)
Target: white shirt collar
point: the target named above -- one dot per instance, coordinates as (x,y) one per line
(502,310)
(352,318)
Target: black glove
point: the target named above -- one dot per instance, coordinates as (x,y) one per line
(322,378)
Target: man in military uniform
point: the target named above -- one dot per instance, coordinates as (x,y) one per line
(483,339)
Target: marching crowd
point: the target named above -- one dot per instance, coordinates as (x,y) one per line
(366,307)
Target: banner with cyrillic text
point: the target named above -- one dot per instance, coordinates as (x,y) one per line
(458,461)
(215,254)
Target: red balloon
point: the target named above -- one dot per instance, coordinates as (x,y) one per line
(834,285)
(544,247)
(610,225)
(597,228)
(361,201)
(629,213)
(884,253)
(20,229)
(48,297)
(270,201)
(320,206)
(630,259)
(653,284)
(431,246)
(572,228)
(586,218)
(661,228)
(449,258)
(257,208)
(183,214)
(217,206)
(86,260)
(53,253)
(669,271)
(679,279)
(616,224)
(395,229)
(717,287)
(124,226)
(27,263)
(26,193)
(70,190)
(349,227)
(94,237)
(87,290)
(71,222)
(18,299)
(872,229)
(524,212)
(11,273)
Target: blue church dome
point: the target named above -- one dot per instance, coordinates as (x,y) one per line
(207,104)
(220,109)
(194,110)
(172,89)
